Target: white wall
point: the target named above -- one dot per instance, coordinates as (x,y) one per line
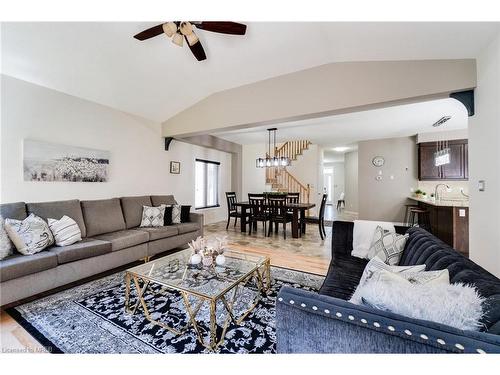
(338,179)
(484,162)
(253,178)
(384,200)
(307,169)
(138,165)
(446,135)
(351,181)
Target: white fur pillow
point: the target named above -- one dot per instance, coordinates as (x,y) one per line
(456,305)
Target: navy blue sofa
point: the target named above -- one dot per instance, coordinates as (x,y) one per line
(325,322)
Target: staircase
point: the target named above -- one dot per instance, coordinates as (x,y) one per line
(283,181)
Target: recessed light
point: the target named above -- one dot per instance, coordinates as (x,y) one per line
(441,121)
(340,149)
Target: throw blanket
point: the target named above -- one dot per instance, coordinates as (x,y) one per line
(362,236)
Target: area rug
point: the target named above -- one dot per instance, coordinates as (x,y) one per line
(91,319)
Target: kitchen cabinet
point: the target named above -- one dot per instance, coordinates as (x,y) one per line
(448,223)
(457,169)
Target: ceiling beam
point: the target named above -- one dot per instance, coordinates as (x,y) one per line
(323,91)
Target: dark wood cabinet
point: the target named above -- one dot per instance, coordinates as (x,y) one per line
(457,169)
(450,225)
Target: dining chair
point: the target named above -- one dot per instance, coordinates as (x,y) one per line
(258,211)
(341,201)
(232,209)
(293,198)
(278,214)
(320,219)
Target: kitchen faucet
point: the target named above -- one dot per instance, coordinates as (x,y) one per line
(436,195)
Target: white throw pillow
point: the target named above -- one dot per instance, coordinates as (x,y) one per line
(65,230)
(153,216)
(6,245)
(30,235)
(375,265)
(176,214)
(455,305)
(362,236)
(388,246)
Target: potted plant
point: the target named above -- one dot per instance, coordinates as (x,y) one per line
(420,194)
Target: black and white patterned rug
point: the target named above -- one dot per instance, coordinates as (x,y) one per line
(91,319)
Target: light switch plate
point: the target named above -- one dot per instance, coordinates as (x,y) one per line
(461,212)
(481,185)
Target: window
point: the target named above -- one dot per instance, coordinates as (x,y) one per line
(206,184)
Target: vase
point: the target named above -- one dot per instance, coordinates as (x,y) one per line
(195,259)
(207,261)
(220,260)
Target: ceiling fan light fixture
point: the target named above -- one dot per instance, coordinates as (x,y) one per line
(186,28)
(178,39)
(169,28)
(192,39)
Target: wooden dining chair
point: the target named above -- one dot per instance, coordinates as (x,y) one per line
(278,214)
(258,211)
(232,209)
(320,219)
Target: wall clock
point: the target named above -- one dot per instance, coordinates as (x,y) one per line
(378,161)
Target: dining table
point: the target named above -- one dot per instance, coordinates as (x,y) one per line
(298,214)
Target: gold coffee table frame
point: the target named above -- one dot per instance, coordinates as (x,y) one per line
(260,273)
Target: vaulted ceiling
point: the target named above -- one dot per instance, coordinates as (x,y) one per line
(155,79)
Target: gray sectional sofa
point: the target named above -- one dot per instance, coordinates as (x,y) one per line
(111,238)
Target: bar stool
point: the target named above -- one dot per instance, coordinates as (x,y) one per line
(407,213)
(420,216)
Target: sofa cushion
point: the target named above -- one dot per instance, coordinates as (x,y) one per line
(124,238)
(155,233)
(103,216)
(13,210)
(187,227)
(168,200)
(58,209)
(132,209)
(21,265)
(343,276)
(87,248)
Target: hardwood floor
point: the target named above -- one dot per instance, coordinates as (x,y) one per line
(15,339)
(307,254)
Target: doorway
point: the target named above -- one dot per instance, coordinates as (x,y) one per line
(328,187)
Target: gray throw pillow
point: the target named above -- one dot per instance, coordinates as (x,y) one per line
(6,245)
(388,246)
(30,235)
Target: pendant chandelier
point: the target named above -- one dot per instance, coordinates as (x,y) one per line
(442,155)
(272,160)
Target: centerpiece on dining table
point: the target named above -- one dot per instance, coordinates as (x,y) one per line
(208,251)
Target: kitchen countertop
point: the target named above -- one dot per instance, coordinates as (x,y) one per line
(451,202)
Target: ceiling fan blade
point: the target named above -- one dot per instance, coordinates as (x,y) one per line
(197,50)
(222,27)
(150,33)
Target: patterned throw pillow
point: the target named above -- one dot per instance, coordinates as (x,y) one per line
(388,246)
(153,216)
(6,245)
(30,235)
(376,265)
(65,230)
(176,213)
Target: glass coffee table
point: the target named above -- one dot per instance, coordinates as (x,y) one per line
(216,286)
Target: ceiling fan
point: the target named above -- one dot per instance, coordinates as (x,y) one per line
(180,30)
